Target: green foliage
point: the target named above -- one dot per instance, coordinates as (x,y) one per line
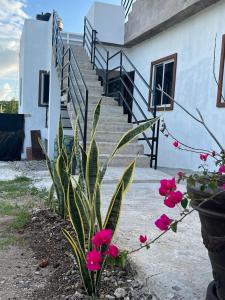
(84,200)
(60,171)
(9,107)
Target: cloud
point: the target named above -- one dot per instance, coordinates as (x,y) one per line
(12,17)
(6,93)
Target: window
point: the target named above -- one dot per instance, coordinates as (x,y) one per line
(44,79)
(221,82)
(163,73)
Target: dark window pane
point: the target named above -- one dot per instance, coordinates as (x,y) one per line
(157,82)
(46,88)
(168,82)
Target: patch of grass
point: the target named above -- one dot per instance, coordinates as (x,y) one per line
(15,188)
(21,219)
(7,209)
(6,240)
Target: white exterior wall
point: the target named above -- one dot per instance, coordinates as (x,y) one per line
(36,55)
(193,41)
(108,20)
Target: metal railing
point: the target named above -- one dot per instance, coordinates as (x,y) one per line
(102,60)
(127,4)
(98,53)
(72,81)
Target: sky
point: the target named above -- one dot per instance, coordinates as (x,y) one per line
(12,16)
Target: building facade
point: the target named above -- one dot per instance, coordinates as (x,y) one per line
(177,45)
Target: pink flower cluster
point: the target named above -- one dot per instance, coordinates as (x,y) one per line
(95,257)
(204,156)
(163,222)
(168,189)
(221,169)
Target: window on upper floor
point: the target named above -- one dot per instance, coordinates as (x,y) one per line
(221,82)
(163,74)
(44,80)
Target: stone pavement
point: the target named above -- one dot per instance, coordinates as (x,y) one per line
(177,266)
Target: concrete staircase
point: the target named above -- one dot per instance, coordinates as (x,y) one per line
(113,123)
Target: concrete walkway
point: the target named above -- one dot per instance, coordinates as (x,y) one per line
(177,266)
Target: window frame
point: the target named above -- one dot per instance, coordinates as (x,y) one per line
(219,102)
(41,88)
(169,58)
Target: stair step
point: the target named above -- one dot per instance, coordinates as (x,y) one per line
(121,160)
(134,149)
(108,136)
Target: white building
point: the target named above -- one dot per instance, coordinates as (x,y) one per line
(170,43)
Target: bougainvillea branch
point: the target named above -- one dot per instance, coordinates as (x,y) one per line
(201,120)
(147,245)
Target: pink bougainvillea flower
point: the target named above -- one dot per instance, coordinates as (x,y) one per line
(173,199)
(180,174)
(204,156)
(112,251)
(221,169)
(176,144)
(163,222)
(102,237)
(142,239)
(94,258)
(167,185)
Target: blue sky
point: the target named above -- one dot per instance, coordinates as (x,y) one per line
(12,16)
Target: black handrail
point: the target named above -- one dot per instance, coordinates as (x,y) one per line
(92,43)
(127,6)
(98,59)
(74,87)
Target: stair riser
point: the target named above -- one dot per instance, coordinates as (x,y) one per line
(105,148)
(124,162)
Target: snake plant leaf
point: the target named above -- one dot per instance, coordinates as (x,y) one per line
(60,138)
(96,118)
(51,196)
(81,262)
(127,138)
(98,207)
(76,216)
(54,177)
(63,176)
(113,213)
(92,169)
(81,159)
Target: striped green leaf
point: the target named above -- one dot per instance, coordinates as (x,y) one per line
(127,138)
(113,213)
(81,262)
(96,118)
(92,169)
(114,209)
(75,215)
(60,137)
(98,207)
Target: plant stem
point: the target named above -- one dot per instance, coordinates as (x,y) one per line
(201,121)
(163,233)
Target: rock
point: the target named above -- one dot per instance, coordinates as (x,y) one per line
(105,279)
(137,284)
(78,295)
(109,297)
(176,288)
(120,293)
